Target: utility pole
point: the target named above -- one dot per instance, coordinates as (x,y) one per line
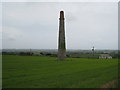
(93,49)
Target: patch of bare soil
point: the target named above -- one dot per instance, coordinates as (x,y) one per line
(111,84)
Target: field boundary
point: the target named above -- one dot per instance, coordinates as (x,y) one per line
(111,84)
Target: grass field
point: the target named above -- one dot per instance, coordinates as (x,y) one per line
(0,71)
(47,72)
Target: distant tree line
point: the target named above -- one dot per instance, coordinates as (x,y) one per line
(29,54)
(69,54)
(8,53)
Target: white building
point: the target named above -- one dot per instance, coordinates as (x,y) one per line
(105,56)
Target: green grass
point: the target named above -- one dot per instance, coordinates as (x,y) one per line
(47,72)
(0,71)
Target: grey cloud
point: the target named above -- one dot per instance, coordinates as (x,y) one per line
(87,24)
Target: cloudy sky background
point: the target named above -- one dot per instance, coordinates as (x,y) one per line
(35,25)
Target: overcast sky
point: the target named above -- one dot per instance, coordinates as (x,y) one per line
(35,25)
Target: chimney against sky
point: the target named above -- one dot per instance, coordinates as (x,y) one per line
(61,40)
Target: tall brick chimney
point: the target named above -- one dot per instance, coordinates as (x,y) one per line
(61,41)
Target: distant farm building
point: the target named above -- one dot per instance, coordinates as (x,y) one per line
(105,56)
(36,54)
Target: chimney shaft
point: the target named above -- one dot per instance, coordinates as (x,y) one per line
(61,41)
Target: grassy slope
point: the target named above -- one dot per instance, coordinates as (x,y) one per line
(0,71)
(47,72)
